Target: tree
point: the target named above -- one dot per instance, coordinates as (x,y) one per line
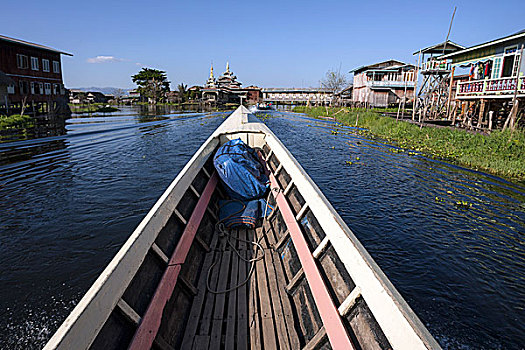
(182,92)
(334,82)
(153,84)
(118,94)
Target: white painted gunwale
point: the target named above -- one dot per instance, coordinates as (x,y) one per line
(85,321)
(400,325)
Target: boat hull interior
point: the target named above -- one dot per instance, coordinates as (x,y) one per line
(298,280)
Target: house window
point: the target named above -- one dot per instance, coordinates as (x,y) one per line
(497,67)
(32,88)
(34,63)
(516,64)
(24,87)
(11,88)
(45,65)
(40,88)
(21,61)
(47,88)
(511,50)
(55,89)
(56,67)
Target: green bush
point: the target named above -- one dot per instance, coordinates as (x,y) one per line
(16,121)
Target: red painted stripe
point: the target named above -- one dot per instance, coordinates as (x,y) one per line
(332,322)
(150,323)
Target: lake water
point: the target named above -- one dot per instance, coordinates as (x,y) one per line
(69,202)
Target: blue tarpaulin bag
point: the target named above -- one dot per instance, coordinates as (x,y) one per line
(240,170)
(236,213)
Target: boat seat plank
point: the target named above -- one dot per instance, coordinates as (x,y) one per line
(207,315)
(232,318)
(266,314)
(285,301)
(201,342)
(220,299)
(275,296)
(198,301)
(253,312)
(242,294)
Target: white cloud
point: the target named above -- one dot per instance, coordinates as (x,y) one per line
(104,59)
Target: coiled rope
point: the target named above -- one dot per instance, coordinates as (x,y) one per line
(225,233)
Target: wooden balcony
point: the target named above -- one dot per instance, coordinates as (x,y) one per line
(390,84)
(436,67)
(490,88)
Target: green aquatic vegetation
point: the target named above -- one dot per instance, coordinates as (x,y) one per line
(501,152)
(463,204)
(16,121)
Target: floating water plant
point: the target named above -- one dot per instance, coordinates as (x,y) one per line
(463,204)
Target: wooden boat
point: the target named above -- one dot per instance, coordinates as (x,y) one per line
(314,287)
(264,106)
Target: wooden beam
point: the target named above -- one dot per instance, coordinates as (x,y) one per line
(349,302)
(128,311)
(195,191)
(202,243)
(149,326)
(335,329)
(295,280)
(278,170)
(321,247)
(301,212)
(288,188)
(179,215)
(316,340)
(155,248)
(282,239)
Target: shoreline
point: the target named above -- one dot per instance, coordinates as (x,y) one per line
(500,153)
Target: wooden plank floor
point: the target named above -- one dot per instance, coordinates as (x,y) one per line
(256,315)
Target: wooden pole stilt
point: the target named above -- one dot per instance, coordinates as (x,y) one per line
(481,112)
(511,120)
(451,82)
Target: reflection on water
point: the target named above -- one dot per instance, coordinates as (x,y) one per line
(69,201)
(44,126)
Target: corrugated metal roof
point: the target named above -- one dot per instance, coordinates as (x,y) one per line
(377,64)
(520,34)
(438,48)
(27,43)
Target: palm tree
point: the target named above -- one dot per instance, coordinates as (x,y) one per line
(183,92)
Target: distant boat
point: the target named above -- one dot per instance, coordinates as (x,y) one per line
(312,286)
(264,106)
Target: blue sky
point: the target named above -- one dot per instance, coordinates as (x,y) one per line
(268,43)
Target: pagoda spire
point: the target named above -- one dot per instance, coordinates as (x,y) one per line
(228,67)
(211,71)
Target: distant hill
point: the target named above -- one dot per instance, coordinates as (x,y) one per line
(104,90)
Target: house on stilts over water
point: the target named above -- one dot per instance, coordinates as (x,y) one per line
(491,95)
(433,96)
